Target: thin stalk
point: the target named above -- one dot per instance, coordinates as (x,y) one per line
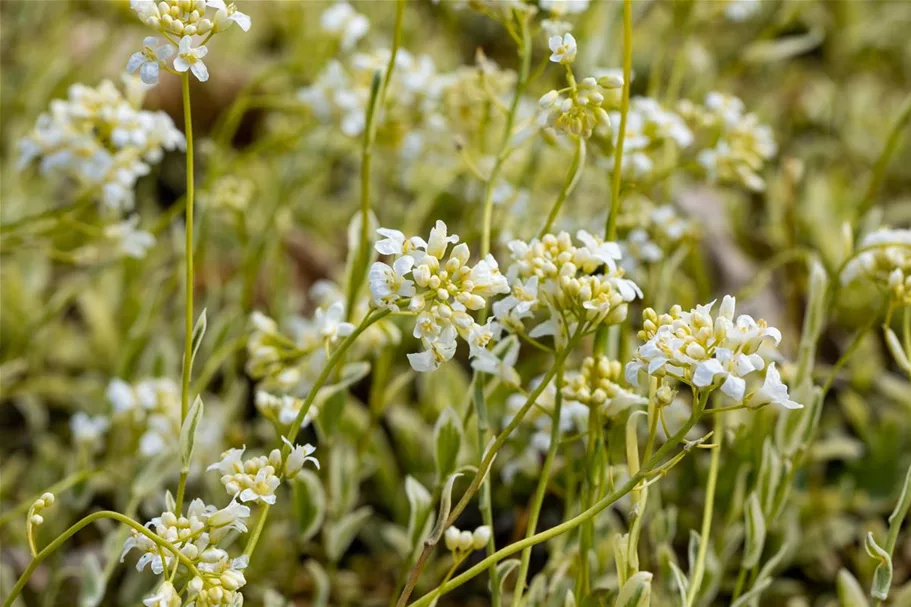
(610,230)
(188,257)
(572,180)
(896,518)
(524,68)
(484,501)
(882,162)
(577,520)
(88,520)
(699,568)
(59,486)
(540,491)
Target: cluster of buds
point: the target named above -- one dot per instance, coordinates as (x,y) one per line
(101,139)
(283,408)
(463,542)
(440,291)
(152,405)
(884,258)
(574,283)
(706,352)
(185,19)
(194,534)
(597,386)
(220,580)
(738,145)
(34,512)
(256,478)
(578,109)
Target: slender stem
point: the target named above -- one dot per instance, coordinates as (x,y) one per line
(377,98)
(541,490)
(524,68)
(610,230)
(188,313)
(572,180)
(577,520)
(415,572)
(321,380)
(699,569)
(484,500)
(63,537)
(882,163)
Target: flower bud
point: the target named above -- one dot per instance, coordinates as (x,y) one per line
(452,538)
(481,536)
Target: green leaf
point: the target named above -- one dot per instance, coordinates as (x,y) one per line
(755,532)
(754,593)
(769,476)
(882,580)
(447,440)
(850,594)
(445,507)
(309,503)
(188,433)
(636,592)
(504,568)
(340,534)
(681,581)
(321,584)
(419,510)
(874,549)
(91,591)
(199,331)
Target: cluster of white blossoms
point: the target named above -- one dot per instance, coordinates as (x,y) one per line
(651,232)
(345,23)
(650,127)
(706,352)
(737,145)
(574,284)
(255,479)
(89,430)
(596,385)
(196,535)
(185,19)
(153,405)
(884,257)
(463,542)
(440,291)
(101,139)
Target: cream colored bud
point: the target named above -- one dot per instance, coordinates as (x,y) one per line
(481,536)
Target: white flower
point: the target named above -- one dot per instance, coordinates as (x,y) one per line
(438,351)
(262,488)
(452,538)
(189,58)
(439,240)
(120,394)
(88,429)
(165,596)
(341,19)
(388,284)
(774,391)
(564,7)
(479,336)
(563,50)
(149,59)
(128,240)
(227,15)
(486,361)
(299,455)
(331,324)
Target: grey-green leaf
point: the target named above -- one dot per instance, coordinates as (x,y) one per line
(755,532)
(447,440)
(636,592)
(309,503)
(882,580)
(850,594)
(445,507)
(419,510)
(199,331)
(340,534)
(93,583)
(320,582)
(188,433)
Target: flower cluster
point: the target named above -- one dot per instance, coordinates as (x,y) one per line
(195,534)
(884,258)
(89,430)
(152,405)
(463,542)
(101,139)
(255,479)
(596,385)
(706,352)
(579,112)
(348,25)
(440,291)
(737,146)
(34,512)
(219,581)
(575,284)
(650,232)
(186,19)
(650,127)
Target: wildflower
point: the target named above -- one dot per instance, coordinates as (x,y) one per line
(153,405)
(128,240)
(165,596)
(883,257)
(388,284)
(342,20)
(299,455)
(465,541)
(486,361)
(773,391)
(87,429)
(226,15)
(252,480)
(148,61)
(596,385)
(438,351)
(580,113)
(189,58)
(563,50)
(330,322)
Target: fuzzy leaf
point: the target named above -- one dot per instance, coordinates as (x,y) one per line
(504,568)
(309,503)
(681,581)
(188,433)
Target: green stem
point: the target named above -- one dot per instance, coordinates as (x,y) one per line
(582,517)
(524,68)
(321,380)
(572,180)
(610,230)
(63,537)
(377,98)
(484,500)
(882,163)
(699,569)
(188,315)
(538,500)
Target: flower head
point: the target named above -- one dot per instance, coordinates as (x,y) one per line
(563,49)
(190,58)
